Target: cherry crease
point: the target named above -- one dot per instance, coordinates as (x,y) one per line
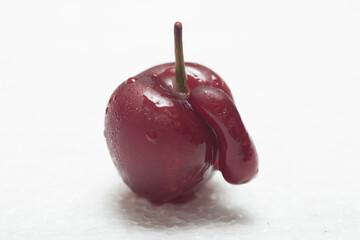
(238,161)
(165,145)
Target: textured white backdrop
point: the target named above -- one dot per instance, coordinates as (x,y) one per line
(293,68)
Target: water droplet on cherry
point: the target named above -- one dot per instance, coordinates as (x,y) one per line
(131,80)
(151,137)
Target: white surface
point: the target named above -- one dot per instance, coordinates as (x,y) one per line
(293,67)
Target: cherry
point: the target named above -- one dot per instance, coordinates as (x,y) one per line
(238,157)
(170,127)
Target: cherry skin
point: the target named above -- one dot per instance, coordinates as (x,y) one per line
(238,159)
(161,147)
(170,127)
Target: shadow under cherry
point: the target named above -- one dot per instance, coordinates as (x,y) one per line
(207,207)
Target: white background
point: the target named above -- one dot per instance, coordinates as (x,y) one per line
(293,68)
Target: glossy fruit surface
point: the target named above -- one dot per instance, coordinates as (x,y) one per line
(169,127)
(238,158)
(161,147)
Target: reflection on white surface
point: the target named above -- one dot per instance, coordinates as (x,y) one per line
(207,208)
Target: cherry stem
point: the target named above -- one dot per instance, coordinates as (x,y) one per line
(179,59)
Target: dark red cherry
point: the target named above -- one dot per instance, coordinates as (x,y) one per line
(238,160)
(167,134)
